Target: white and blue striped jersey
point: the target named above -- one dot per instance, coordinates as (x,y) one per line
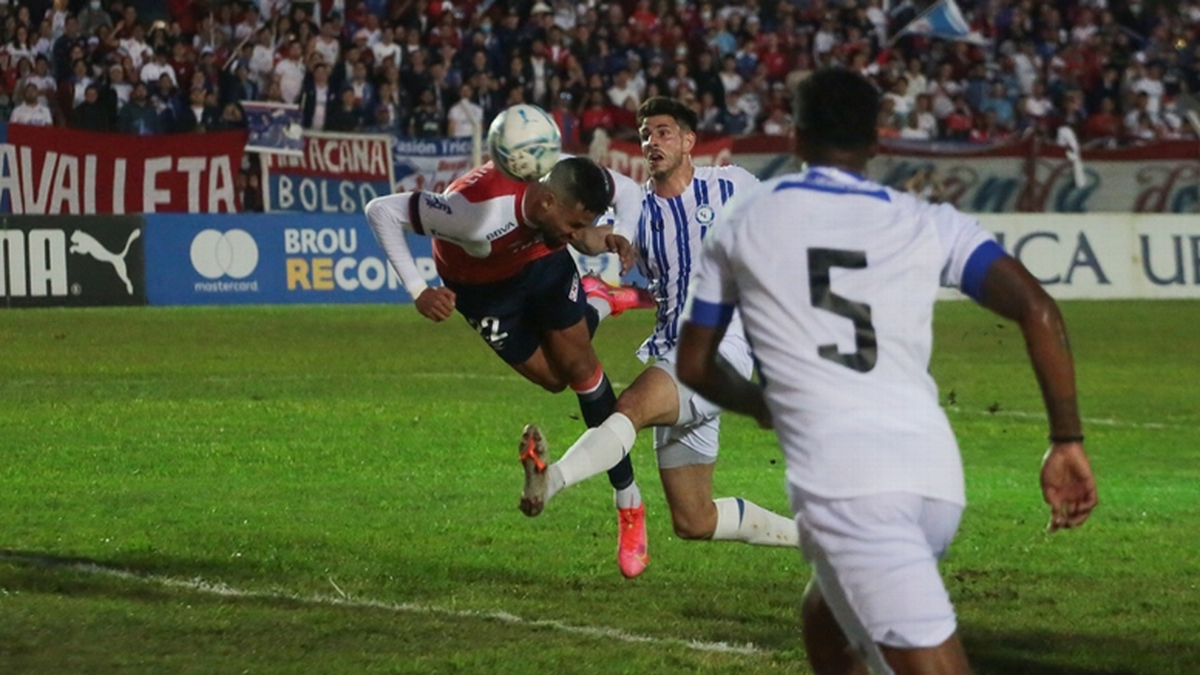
(668,239)
(835,277)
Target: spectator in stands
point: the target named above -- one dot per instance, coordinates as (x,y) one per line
(159,66)
(597,115)
(318,99)
(998,103)
(32,110)
(568,122)
(262,57)
(960,121)
(289,72)
(139,116)
(61,50)
(465,117)
(426,120)
(196,116)
(42,79)
(92,17)
(387,49)
(90,114)
(1103,126)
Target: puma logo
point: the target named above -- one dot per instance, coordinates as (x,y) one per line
(85,244)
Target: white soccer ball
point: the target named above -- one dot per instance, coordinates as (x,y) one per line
(524,142)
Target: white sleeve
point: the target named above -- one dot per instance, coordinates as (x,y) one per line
(960,235)
(712,293)
(627,201)
(389,218)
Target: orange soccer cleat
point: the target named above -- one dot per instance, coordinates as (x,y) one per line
(619,298)
(631,541)
(533,458)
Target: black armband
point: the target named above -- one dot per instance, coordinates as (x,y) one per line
(1077,438)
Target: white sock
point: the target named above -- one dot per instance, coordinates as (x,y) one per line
(601,306)
(596,451)
(742,520)
(628,497)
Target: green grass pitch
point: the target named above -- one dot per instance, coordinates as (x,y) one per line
(334,490)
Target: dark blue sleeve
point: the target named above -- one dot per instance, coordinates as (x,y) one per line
(710,314)
(977,267)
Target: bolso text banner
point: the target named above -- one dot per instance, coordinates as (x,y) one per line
(337,173)
(48,171)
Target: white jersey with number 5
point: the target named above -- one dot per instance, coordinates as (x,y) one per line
(836,277)
(668,238)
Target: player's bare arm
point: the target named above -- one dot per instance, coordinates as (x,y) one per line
(700,366)
(1068,485)
(602,239)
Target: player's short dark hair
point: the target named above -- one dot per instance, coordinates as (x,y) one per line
(580,180)
(837,109)
(684,116)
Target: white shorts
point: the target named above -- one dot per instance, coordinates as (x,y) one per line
(875,560)
(693,439)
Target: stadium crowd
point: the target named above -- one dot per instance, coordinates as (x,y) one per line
(1116,71)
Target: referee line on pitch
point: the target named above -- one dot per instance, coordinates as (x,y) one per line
(198,585)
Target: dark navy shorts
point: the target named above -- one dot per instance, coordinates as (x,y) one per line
(511,315)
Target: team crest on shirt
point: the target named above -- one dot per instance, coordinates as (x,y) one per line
(705,214)
(574,293)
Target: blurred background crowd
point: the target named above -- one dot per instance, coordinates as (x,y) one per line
(1116,71)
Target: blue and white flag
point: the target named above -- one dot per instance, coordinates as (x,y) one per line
(274,128)
(943,20)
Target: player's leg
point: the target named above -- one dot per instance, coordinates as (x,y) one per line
(686,456)
(874,562)
(829,652)
(686,452)
(650,400)
(561,308)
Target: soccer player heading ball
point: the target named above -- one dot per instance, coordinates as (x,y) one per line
(835,278)
(501,250)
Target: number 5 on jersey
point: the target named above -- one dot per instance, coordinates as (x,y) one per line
(820,260)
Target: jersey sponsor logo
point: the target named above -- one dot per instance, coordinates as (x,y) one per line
(501,231)
(437,203)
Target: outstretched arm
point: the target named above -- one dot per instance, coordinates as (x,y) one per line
(700,366)
(1067,482)
(389,218)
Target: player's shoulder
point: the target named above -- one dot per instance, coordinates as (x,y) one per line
(483,183)
(731,172)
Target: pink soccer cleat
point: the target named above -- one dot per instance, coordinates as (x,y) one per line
(619,298)
(631,541)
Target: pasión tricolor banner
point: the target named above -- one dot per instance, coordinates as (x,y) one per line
(51,171)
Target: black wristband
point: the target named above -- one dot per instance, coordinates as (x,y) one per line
(1078,438)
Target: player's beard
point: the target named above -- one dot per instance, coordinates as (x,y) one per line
(668,167)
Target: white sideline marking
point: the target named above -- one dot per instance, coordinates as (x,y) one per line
(342,600)
(1098,421)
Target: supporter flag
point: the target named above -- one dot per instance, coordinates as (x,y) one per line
(943,20)
(274,128)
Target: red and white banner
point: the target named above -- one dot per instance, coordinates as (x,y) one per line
(625,157)
(47,170)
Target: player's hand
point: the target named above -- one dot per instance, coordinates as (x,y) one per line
(1068,485)
(436,303)
(615,243)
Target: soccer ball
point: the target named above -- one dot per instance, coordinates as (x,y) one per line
(524,142)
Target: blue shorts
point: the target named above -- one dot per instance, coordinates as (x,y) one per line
(512,314)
